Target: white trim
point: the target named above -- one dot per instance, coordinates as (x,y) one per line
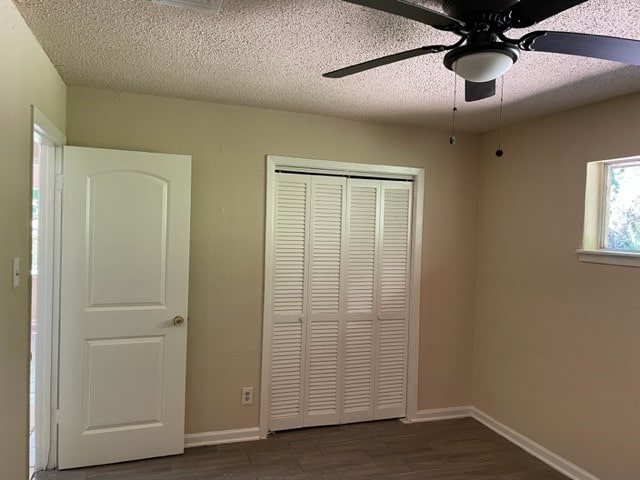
(221,436)
(267,324)
(274,162)
(555,461)
(435,414)
(44,127)
(593,207)
(55,309)
(46,384)
(43,286)
(596,213)
(309,165)
(414,298)
(609,257)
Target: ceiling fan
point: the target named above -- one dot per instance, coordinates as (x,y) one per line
(484,52)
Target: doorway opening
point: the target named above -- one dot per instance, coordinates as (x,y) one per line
(46,166)
(35,209)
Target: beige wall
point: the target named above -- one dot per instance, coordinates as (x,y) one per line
(229,145)
(26,77)
(557,353)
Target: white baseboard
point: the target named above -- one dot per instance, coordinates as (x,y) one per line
(562,465)
(221,436)
(441,414)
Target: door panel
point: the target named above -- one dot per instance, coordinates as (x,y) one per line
(393,302)
(324,349)
(124,277)
(358,376)
(288,346)
(136,204)
(138,362)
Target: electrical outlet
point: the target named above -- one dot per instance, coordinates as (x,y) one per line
(247,396)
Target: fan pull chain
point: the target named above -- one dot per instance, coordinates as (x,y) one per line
(452,138)
(500,152)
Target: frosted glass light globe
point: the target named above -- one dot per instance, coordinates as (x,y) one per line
(482,66)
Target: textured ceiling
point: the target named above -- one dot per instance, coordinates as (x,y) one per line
(271,54)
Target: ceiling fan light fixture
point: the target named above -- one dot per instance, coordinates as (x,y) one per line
(481,64)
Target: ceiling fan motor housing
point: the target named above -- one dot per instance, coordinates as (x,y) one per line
(462,8)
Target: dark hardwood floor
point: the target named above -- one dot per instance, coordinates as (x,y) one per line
(460,449)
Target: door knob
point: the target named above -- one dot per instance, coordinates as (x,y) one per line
(178,320)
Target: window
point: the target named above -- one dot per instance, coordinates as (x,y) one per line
(621,228)
(612,213)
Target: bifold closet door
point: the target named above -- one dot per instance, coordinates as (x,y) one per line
(378,225)
(339,300)
(307,301)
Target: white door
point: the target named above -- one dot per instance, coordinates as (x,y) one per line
(124,285)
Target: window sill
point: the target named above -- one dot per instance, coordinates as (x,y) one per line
(610,257)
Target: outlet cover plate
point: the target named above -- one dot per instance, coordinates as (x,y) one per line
(247,396)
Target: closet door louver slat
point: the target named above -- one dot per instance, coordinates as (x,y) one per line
(358,373)
(286,371)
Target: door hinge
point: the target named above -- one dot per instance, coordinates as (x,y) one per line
(56,417)
(59,182)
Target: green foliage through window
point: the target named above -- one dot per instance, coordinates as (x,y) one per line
(622,229)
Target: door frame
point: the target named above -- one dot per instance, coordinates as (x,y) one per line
(47,294)
(306,165)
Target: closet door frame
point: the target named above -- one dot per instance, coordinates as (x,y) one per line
(306,166)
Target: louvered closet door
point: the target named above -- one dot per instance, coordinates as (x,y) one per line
(393,300)
(288,284)
(339,300)
(361,286)
(323,346)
